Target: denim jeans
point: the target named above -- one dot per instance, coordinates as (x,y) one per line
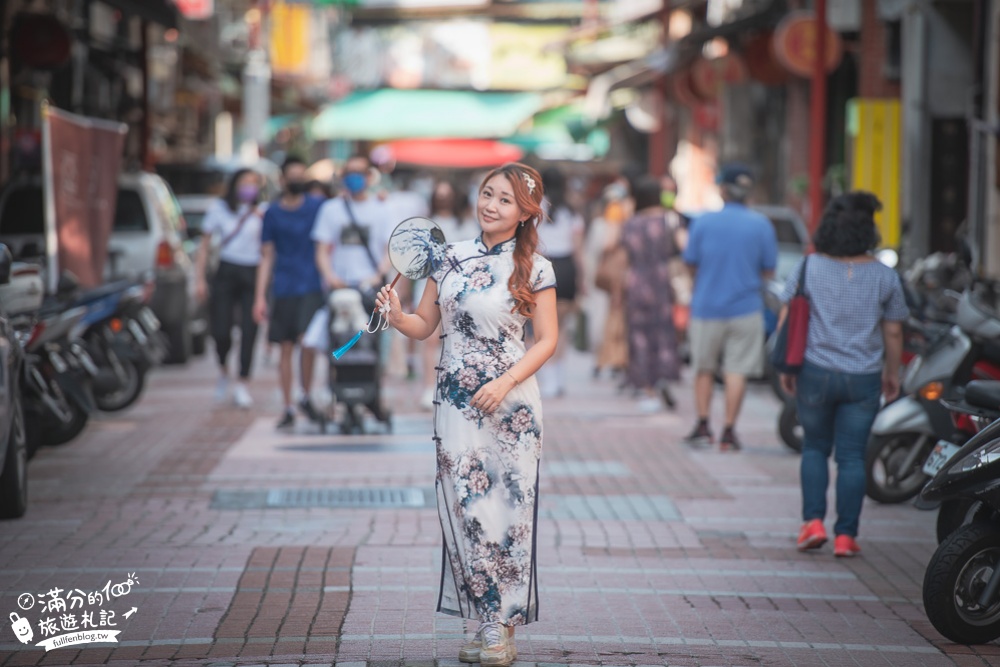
(836,411)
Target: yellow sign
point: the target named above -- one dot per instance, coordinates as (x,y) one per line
(874,136)
(289,38)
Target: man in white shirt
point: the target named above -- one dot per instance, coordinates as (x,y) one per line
(352,234)
(346,225)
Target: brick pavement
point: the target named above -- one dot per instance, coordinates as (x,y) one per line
(254,548)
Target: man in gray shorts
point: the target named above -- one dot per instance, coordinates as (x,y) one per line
(730,252)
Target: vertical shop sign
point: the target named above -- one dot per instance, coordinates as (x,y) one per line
(874,131)
(81,159)
(290,38)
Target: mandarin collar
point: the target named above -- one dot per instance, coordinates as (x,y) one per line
(505,246)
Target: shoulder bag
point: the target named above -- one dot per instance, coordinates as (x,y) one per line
(355,234)
(215,253)
(789,350)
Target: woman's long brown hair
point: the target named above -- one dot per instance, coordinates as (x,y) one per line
(529,200)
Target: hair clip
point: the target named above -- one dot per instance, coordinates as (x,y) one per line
(530,182)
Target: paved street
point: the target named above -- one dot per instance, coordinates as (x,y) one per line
(246,547)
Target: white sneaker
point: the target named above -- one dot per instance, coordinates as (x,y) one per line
(470,652)
(495,648)
(241,397)
(221,390)
(650,405)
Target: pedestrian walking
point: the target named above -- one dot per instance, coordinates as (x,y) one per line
(731,252)
(232,229)
(560,240)
(853,352)
(352,237)
(289,268)
(488,420)
(609,277)
(651,242)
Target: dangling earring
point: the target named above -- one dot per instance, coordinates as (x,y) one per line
(522,223)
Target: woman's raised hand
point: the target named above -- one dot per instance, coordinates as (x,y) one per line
(390,297)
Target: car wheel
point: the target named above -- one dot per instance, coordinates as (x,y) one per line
(14,480)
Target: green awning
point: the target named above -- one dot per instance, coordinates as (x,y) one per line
(388,113)
(563,133)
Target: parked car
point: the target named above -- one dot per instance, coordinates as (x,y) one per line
(193,209)
(13,442)
(146,241)
(793,237)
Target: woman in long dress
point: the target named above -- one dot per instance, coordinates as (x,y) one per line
(651,241)
(488,416)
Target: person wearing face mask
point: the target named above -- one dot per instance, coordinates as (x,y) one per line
(232,229)
(352,236)
(287,253)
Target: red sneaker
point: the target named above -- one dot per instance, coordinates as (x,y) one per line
(844,546)
(812,535)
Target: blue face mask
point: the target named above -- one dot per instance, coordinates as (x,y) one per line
(355,183)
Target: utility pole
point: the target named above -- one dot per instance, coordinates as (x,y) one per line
(256,82)
(817,120)
(660,140)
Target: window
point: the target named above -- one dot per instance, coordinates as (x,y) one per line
(23,212)
(130,214)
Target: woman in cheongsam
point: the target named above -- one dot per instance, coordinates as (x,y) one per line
(488,416)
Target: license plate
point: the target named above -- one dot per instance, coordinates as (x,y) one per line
(136,330)
(941,454)
(149,320)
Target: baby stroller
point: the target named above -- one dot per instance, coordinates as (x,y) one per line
(356,378)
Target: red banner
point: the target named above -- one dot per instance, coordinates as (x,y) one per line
(82,157)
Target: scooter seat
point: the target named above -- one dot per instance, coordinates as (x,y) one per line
(983,394)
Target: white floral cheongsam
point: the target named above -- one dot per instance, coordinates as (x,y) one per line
(487,464)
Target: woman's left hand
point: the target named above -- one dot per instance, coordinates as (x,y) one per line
(491,395)
(788,383)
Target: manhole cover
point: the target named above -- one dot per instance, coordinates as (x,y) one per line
(362,497)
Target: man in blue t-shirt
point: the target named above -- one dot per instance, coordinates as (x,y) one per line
(287,251)
(731,252)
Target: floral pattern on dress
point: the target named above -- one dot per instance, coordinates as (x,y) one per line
(487,464)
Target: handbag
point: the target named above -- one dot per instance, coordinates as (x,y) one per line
(611,268)
(215,252)
(789,349)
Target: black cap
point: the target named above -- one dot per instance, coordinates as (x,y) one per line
(735,174)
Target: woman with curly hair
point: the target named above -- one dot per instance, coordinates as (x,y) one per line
(488,416)
(853,351)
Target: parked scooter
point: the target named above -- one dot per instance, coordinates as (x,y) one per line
(906,431)
(57,379)
(121,334)
(977,406)
(961,588)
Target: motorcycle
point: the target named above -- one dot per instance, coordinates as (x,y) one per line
(906,431)
(57,379)
(961,588)
(121,334)
(975,408)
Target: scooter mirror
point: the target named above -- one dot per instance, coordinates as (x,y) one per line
(888,256)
